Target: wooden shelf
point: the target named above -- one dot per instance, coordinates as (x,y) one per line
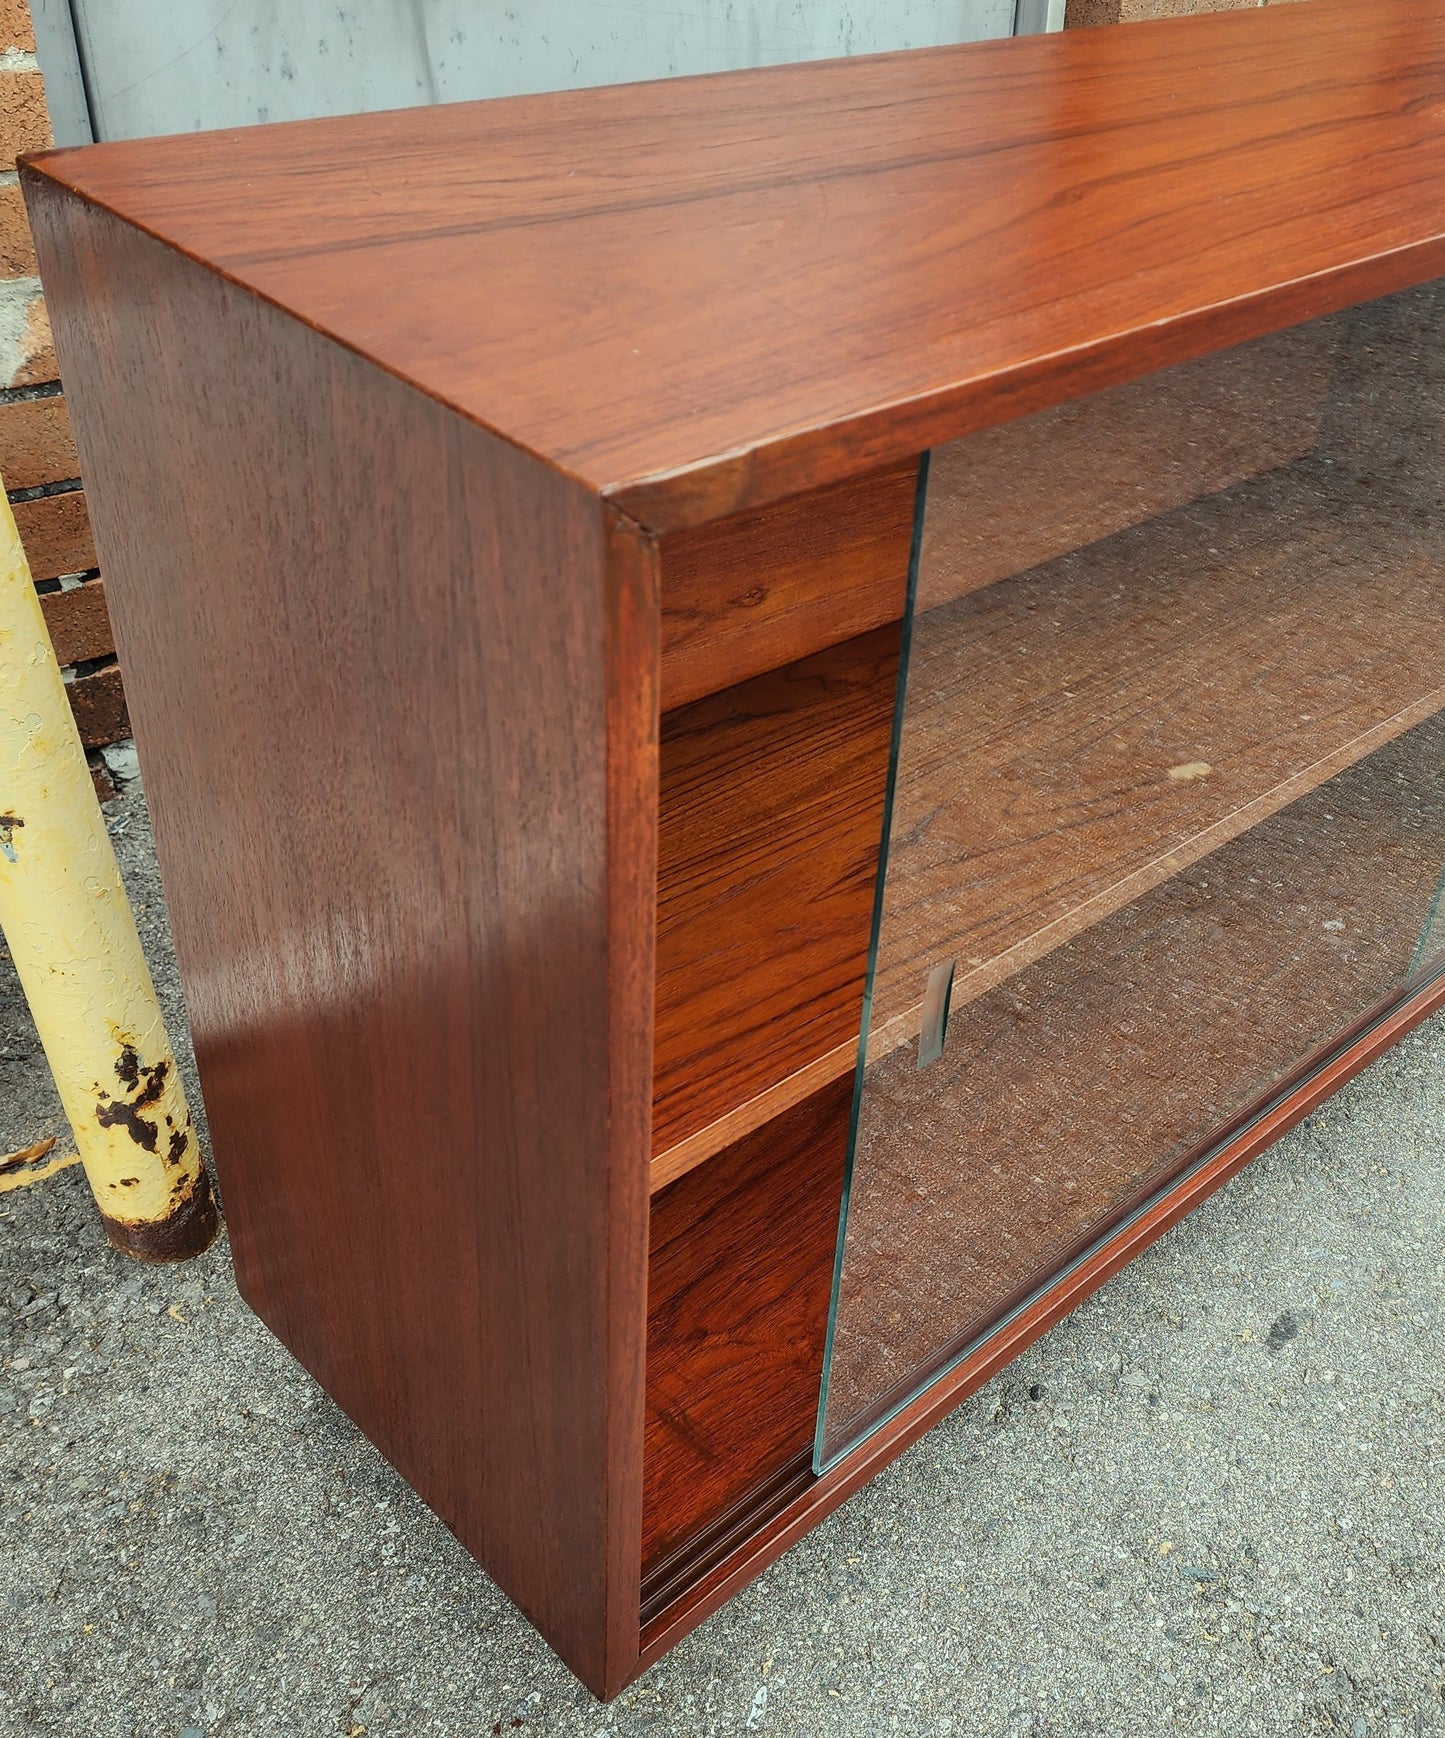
(1274,632)
(1059,723)
(1068,1095)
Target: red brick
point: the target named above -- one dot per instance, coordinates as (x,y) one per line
(56,533)
(16,30)
(37,346)
(101,779)
(24,119)
(98,703)
(79,623)
(36,445)
(17,250)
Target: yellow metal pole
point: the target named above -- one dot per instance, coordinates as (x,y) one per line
(73,939)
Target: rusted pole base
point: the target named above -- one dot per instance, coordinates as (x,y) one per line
(188,1229)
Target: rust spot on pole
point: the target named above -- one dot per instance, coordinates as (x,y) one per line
(8,825)
(143,1133)
(124,1113)
(155,1082)
(187,1229)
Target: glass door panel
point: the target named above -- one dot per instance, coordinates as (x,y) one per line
(1167,813)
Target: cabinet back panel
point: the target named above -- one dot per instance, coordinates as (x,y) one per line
(758,590)
(1005,500)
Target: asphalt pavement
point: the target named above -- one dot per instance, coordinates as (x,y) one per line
(1212,1501)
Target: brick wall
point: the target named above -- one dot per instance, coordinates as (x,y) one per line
(37,454)
(1125,11)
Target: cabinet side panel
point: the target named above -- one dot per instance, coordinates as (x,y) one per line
(365,644)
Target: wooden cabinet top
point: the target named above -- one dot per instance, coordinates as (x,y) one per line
(699,295)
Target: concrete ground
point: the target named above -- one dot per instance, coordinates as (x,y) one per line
(1212,1501)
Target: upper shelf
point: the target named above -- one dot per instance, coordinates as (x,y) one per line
(1086,731)
(701,295)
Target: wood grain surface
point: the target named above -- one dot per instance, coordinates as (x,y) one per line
(1068,1096)
(702,295)
(771,810)
(760,590)
(739,1277)
(412,915)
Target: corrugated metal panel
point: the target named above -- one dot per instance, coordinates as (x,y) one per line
(191,64)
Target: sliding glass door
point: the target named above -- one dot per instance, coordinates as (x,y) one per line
(1167,813)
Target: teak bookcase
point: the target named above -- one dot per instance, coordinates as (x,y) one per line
(622,593)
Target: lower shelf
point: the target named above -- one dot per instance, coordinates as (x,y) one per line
(739,1271)
(1073,1090)
(690,1587)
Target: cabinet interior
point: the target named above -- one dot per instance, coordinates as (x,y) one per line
(1180,638)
